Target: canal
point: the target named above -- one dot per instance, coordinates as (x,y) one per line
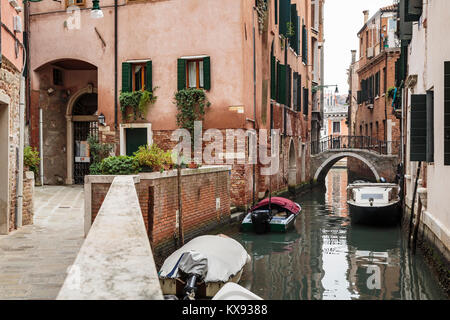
(325,257)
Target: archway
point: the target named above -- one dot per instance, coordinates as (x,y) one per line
(292,169)
(82,121)
(322,171)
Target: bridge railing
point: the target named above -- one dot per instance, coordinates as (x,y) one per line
(355,142)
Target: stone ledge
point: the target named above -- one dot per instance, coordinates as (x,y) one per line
(115,261)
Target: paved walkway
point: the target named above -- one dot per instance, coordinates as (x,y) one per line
(34,259)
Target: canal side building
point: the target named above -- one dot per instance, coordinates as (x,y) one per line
(424,79)
(374,117)
(14,210)
(258,61)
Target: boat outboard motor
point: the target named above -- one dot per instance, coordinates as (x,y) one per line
(194,266)
(261,221)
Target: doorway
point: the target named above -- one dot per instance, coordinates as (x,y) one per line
(4,164)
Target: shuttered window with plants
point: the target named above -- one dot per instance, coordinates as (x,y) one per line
(285,16)
(447,113)
(194,73)
(137,89)
(293,32)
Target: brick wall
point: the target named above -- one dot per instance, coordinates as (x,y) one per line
(158,198)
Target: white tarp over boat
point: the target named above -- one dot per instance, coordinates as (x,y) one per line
(226,257)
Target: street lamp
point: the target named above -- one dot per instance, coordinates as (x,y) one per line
(96,12)
(101,119)
(317,88)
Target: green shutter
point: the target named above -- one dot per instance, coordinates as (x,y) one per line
(127,85)
(430,126)
(299,93)
(148,76)
(305,45)
(293,39)
(418,134)
(285,15)
(276,11)
(281,84)
(305,101)
(273,78)
(207,73)
(447,113)
(181,72)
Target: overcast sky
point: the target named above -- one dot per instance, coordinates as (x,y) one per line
(342,21)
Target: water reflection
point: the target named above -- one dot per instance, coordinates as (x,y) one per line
(325,257)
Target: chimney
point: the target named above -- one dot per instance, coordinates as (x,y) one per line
(353,56)
(366,16)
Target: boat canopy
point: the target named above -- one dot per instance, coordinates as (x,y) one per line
(287,204)
(225,258)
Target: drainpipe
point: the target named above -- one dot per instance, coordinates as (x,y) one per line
(41,147)
(254,97)
(21,142)
(115,64)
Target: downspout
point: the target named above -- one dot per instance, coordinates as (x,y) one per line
(254,98)
(21,142)
(115,65)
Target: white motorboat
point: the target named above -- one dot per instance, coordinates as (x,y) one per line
(374,203)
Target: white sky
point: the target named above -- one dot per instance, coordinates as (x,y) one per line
(342,21)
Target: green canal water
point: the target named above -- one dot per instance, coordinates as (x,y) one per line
(325,257)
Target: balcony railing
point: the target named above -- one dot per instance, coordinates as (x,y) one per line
(355,142)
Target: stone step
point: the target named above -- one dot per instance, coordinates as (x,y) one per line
(237,216)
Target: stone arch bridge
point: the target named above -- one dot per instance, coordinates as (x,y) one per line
(381,157)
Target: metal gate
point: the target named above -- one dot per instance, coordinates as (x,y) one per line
(82,159)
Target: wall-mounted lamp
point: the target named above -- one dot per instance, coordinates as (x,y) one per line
(101,119)
(96,12)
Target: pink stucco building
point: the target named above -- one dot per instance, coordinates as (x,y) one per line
(11,67)
(259,62)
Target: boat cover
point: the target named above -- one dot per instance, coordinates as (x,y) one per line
(287,204)
(225,256)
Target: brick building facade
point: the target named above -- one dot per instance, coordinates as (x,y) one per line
(260,67)
(374,116)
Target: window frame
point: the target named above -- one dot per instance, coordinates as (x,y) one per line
(197,70)
(143,73)
(82,4)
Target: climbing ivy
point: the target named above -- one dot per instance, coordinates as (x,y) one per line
(138,101)
(191,105)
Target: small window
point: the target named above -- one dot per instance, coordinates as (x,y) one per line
(194,75)
(57,77)
(336,127)
(138,76)
(194,72)
(75,3)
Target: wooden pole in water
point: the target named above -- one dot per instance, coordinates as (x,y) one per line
(416,226)
(412,205)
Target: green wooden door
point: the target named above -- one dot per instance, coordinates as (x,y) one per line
(135,137)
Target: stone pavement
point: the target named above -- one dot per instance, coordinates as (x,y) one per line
(35,258)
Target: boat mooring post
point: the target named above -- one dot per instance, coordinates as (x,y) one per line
(180,209)
(413,203)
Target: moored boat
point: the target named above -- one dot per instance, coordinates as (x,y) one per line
(201,267)
(275,214)
(374,203)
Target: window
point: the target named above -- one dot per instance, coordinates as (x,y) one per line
(430,126)
(194,72)
(336,127)
(75,3)
(137,75)
(57,77)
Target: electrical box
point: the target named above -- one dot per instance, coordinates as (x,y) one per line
(17,24)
